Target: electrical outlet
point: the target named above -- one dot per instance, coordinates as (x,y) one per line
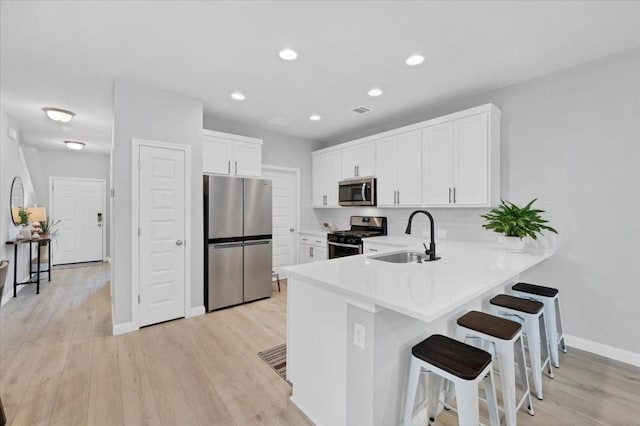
(442,233)
(424,233)
(358,335)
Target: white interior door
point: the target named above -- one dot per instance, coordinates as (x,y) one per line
(161,194)
(79,204)
(285,214)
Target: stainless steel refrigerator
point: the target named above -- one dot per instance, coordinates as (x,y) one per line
(238,231)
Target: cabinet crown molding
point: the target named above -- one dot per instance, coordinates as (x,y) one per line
(491,108)
(239,138)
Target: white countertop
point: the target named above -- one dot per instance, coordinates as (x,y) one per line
(424,291)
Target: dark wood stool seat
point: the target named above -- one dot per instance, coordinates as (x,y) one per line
(452,356)
(517,303)
(491,325)
(535,289)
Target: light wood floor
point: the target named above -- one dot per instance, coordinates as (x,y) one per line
(59,365)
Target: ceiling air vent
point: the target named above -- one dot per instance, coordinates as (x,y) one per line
(361,110)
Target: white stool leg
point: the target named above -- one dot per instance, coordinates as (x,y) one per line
(412,387)
(545,344)
(433,397)
(468,406)
(552,329)
(559,324)
(524,377)
(492,401)
(532,327)
(505,355)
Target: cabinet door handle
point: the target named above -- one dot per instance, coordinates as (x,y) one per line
(449,195)
(398,196)
(236,167)
(357,170)
(310,251)
(229,167)
(373,249)
(454,195)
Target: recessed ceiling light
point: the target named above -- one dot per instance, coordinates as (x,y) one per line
(375,92)
(59,115)
(314,117)
(288,54)
(74,145)
(415,60)
(238,96)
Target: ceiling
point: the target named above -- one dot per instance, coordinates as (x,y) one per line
(66,55)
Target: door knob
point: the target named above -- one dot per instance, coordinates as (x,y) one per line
(291,229)
(179,242)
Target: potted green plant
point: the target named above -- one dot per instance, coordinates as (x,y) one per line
(24,232)
(516,223)
(48,228)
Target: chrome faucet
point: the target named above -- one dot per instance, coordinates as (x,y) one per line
(431,251)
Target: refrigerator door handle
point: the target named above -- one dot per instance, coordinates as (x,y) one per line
(226,245)
(257,242)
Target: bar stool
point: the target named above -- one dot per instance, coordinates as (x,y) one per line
(553,320)
(502,335)
(277,277)
(463,365)
(530,313)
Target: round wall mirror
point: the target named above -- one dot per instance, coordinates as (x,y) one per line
(17,199)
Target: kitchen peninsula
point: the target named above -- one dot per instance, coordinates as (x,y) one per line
(351,323)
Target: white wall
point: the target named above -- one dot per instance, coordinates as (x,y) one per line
(147,113)
(12,164)
(47,163)
(279,150)
(572,139)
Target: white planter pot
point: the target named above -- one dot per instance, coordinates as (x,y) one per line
(514,244)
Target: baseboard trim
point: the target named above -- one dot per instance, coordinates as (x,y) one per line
(601,349)
(194,312)
(123,328)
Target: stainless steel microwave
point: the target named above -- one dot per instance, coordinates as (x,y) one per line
(357,192)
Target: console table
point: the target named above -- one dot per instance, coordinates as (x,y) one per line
(30,242)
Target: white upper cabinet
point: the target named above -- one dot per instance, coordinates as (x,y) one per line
(325,177)
(359,160)
(462,163)
(449,161)
(399,170)
(231,155)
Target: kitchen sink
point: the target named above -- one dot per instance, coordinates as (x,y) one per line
(401,257)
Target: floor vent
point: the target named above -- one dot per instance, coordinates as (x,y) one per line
(361,110)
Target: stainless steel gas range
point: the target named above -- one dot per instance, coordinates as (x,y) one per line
(349,242)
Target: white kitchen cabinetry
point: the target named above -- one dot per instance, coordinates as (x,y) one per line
(232,155)
(311,248)
(399,170)
(461,162)
(325,176)
(359,160)
(370,247)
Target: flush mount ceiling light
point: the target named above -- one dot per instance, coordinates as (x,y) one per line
(415,60)
(238,96)
(288,54)
(74,145)
(375,92)
(59,115)
(314,117)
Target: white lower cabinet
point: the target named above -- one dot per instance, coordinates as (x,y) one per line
(311,248)
(371,247)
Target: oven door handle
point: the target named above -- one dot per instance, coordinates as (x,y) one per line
(344,245)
